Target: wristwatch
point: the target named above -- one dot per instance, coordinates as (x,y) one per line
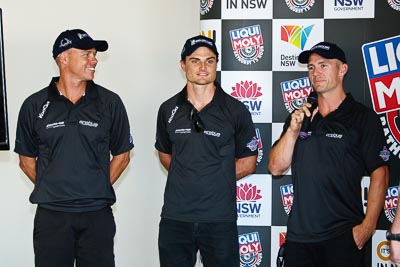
(390,236)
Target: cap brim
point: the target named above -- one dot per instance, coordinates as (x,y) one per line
(100,46)
(305,55)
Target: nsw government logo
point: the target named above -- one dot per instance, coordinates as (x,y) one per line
(295,93)
(205,6)
(300,6)
(391,201)
(248,93)
(250,249)
(247,196)
(287,197)
(247,44)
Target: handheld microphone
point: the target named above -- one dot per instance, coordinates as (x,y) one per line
(313,100)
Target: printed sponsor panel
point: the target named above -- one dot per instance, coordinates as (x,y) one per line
(380,250)
(263,133)
(253,200)
(298,9)
(278,235)
(254,246)
(212,29)
(382,63)
(247,45)
(289,91)
(245,9)
(349,9)
(276,132)
(253,89)
(290,37)
(250,41)
(282,199)
(210,9)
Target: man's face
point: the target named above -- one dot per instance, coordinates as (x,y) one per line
(81,64)
(325,74)
(200,67)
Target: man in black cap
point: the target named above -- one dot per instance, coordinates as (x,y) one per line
(206,141)
(65,134)
(327,225)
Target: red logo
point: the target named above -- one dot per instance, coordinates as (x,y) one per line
(247,192)
(246,89)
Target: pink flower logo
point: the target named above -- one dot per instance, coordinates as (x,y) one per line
(246,89)
(247,192)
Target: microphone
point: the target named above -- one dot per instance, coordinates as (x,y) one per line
(313,100)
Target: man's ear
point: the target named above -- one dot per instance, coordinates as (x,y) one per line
(343,69)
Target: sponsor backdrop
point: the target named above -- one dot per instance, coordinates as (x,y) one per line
(259,41)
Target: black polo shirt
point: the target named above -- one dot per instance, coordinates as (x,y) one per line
(72,144)
(201,183)
(327,169)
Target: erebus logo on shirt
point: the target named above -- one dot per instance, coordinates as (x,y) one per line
(88,123)
(44,108)
(173,114)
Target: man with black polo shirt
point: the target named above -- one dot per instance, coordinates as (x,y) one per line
(345,140)
(206,140)
(65,134)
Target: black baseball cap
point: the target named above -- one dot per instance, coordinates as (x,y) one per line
(324,49)
(77,39)
(195,42)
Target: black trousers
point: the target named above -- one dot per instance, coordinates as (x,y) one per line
(62,239)
(340,251)
(178,243)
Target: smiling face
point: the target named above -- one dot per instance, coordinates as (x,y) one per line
(200,67)
(79,64)
(325,74)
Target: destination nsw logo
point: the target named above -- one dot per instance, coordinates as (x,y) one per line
(247,196)
(296,35)
(248,93)
(250,249)
(247,44)
(295,93)
(382,63)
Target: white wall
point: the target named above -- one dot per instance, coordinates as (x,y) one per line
(141,65)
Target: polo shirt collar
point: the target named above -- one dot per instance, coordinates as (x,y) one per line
(218,97)
(90,93)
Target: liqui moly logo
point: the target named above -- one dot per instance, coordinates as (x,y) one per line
(250,249)
(300,6)
(391,201)
(295,93)
(382,63)
(247,44)
(247,196)
(248,93)
(287,197)
(205,6)
(395,4)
